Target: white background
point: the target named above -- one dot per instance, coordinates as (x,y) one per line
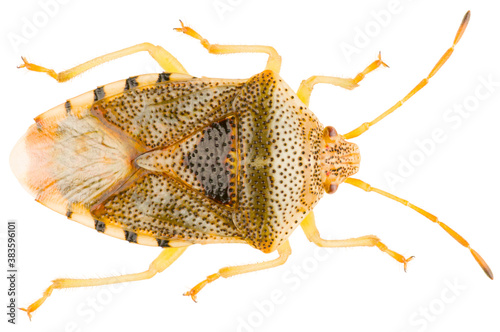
(357,289)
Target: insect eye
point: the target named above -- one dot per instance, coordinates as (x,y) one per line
(330,132)
(332,188)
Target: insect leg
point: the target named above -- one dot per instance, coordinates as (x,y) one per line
(366,187)
(166,60)
(284,251)
(306,87)
(273,63)
(312,234)
(365,126)
(164,260)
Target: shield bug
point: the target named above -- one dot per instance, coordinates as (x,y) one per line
(171,160)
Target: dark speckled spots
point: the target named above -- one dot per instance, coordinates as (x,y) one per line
(279,143)
(217,160)
(67,105)
(99,93)
(160,206)
(163,77)
(163,243)
(99,226)
(131,237)
(212,162)
(131,83)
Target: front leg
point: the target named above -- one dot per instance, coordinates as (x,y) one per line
(312,234)
(306,87)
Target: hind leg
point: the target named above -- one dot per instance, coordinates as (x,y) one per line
(166,60)
(164,260)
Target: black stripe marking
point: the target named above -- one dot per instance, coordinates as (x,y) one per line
(163,243)
(163,77)
(99,226)
(131,83)
(99,93)
(131,236)
(67,105)
(69,213)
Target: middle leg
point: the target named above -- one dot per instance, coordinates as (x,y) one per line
(273,62)
(284,251)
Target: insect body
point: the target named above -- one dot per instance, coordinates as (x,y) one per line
(171,160)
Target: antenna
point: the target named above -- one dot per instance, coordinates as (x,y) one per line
(365,126)
(366,187)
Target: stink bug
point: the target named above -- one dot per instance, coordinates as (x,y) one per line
(172,160)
